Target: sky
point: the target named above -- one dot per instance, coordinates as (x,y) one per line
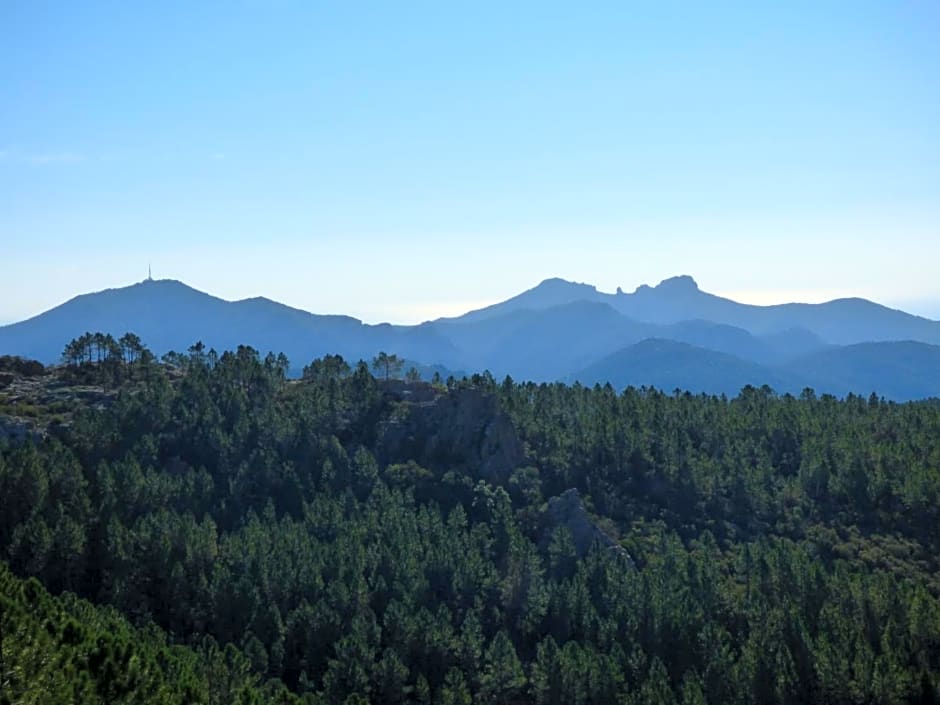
(403,161)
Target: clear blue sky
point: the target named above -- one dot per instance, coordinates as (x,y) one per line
(400,161)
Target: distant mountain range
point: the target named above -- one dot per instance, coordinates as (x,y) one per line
(670,336)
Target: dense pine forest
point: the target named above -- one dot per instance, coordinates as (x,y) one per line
(203,529)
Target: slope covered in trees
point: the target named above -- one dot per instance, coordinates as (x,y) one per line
(67,651)
(357,539)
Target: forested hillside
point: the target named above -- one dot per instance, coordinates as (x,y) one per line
(343,538)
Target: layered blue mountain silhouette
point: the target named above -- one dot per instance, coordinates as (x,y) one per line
(670,336)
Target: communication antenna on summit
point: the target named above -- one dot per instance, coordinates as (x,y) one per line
(149,273)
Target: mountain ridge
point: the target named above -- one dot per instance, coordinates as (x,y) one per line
(553,331)
(679,298)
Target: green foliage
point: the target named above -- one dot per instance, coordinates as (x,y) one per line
(21,366)
(256,539)
(64,650)
(389,366)
(99,358)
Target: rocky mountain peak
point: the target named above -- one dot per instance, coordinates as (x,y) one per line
(682,283)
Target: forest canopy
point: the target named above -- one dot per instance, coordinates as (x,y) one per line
(209,530)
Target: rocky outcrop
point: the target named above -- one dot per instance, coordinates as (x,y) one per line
(17,430)
(463,429)
(34,405)
(567,509)
(50,389)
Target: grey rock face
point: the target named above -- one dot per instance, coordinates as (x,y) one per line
(567,509)
(462,429)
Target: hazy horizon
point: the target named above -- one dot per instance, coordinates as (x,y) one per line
(407,163)
(456,308)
